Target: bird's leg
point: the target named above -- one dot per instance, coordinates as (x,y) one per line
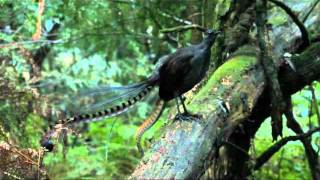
(186,115)
(184,106)
(177,103)
(179,116)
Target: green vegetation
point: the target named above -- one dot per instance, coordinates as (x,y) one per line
(87,44)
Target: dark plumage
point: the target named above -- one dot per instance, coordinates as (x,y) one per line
(182,70)
(175,74)
(48,145)
(185,68)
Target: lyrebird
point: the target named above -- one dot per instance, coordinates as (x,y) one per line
(175,74)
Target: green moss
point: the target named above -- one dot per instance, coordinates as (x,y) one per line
(233,68)
(237,64)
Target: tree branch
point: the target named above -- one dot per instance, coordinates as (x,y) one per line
(315,103)
(310,11)
(302,28)
(183,28)
(311,154)
(175,18)
(187,148)
(264,157)
(270,70)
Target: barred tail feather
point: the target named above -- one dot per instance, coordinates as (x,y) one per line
(118,97)
(113,111)
(103,90)
(148,123)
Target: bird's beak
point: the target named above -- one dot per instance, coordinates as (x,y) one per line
(213,32)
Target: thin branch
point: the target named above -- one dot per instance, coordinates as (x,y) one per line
(310,152)
(194,15)
(67,40)
(167,36)
(123,1)
(310,113)
(175,18)
(236,147)
(292,123)
(12,44)
(202,12)
(304,19)
(302,28)
(183,28)
(315,103)
(264,157)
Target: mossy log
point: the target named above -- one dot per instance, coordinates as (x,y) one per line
(232,96)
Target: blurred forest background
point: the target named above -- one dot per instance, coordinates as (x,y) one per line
(51,50)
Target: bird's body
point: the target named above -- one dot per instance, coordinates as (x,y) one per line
(183,70)
(175,74)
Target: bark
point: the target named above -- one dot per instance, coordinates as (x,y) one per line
(232,104)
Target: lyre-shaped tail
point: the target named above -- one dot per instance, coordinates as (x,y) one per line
(112,111)
(149,122)
(109,112)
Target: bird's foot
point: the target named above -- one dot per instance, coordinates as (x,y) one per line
(186,116)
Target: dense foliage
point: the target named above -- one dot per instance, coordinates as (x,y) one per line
(92,43)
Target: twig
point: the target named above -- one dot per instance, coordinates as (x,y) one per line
(310,152)
(183,28)
(302,28)
(175,18)
(291,121)
(202,12)
(25,156)
(66,40)
(310,125)
(304,19)
(195,14)
(264,157)
(167,36)
(236,147)
(315,103)
(31,42)
(123,1)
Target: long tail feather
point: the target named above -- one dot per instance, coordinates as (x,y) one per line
(108,89)
(123,95)
(148,123)
(118,109)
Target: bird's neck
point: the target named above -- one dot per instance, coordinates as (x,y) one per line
(209,41)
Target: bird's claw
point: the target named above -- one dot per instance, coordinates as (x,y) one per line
(187,117)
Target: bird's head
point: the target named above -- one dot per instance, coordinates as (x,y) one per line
(211,35)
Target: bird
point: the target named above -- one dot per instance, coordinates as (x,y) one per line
(174,74)
(184,69)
